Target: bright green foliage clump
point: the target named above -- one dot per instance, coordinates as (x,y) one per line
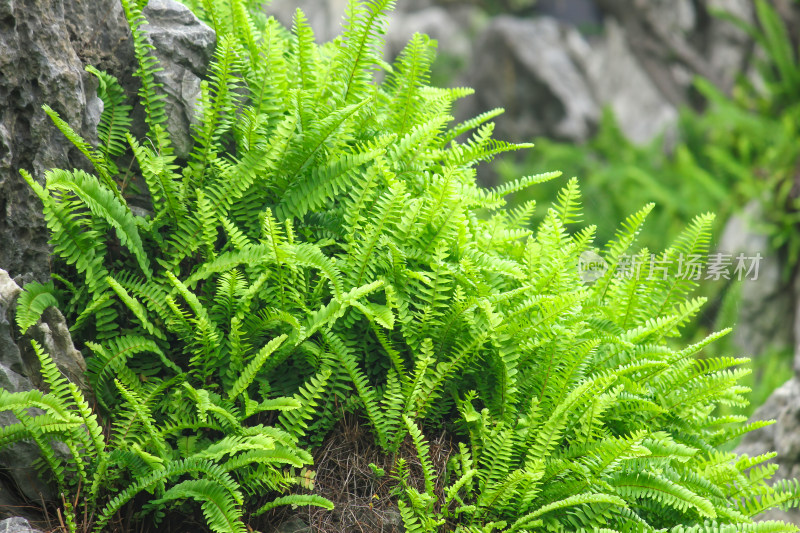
(324,248)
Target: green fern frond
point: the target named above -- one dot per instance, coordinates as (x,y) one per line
(325,183)
(295,421)
(105,206)
(305,52)
(296,500)
(249,372)
(158,170)
(410,72)
(471,124)
(530,519)
(495,194)
(423,454)
(136,307)
(568,202)
(146,69)
(218,103)
(98,160)
(115,120)
(662,490)
(219,508)
(111,355)
(32,302)
(360,50)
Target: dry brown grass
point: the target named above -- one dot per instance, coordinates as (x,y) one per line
(363,502)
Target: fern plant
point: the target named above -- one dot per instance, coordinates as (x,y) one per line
(155,454)
(585,417)
(324,248)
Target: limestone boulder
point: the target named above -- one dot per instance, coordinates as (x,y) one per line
(529,67)
(16,525)
(16,460)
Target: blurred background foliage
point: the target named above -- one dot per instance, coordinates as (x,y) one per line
(619,176)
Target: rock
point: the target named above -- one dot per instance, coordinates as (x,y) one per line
(393,520)
(618,80)
(16,459)
(294,525)
(553,82)
(9,353)
(783,436)
(385,520)
(787,434)
(454,27)
(672,16)
(526,66)
(324,16)
(52,334)
(728,46)
(108,45)
(768,319)
(766,311)
(184,47)
(38,65)
(578,13)
(662,36)
(16,525)
(796,328)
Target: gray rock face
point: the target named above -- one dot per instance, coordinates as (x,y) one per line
(38,64)
(783,437)
(575,12)
(553,82)
(295,525)
(324,16)
(728,45)
(619,81)
(766,307)
(16,525)
(527,66)
(16,459)
(454,27)
(184,47)
(9,353)
(52,334)
(674,40)
(764,439)
(641,65)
